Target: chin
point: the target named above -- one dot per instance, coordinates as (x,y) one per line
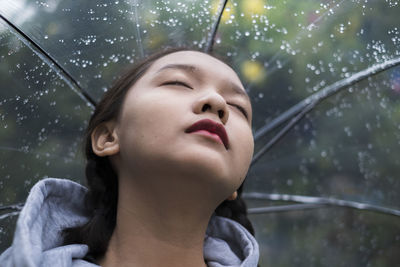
(209,167)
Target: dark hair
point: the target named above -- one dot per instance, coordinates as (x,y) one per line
(102,181)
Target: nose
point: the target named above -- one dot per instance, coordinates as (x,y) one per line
(214,103)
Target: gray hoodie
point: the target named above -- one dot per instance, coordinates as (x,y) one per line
(54,204)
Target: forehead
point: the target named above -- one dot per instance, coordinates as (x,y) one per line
(201,61)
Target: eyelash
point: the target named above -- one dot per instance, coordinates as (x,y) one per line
(241,109)
(179,83)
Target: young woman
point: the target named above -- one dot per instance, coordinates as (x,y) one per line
(168,148)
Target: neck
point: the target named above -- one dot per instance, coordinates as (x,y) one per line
(163,228)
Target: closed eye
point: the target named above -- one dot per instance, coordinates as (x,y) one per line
(241,109)
(177,83)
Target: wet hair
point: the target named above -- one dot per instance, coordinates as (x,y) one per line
(102,181)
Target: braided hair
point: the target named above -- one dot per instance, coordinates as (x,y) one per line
(102,181)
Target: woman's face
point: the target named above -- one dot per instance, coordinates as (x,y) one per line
(173,120)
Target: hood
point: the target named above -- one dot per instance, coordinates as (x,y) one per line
(54,204)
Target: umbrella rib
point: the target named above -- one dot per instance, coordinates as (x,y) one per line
(31,152)
(313,202)
(4,216)
(326,92)
(53,64)
(281,133)
(139,37)
(15,209)
(283,208)
(306,203)
(213,32)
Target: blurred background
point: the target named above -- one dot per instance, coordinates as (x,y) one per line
(58,56)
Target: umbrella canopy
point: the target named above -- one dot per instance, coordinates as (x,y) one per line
(325,89)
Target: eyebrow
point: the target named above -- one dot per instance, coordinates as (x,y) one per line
(191,69)
(239,90)
(184,67)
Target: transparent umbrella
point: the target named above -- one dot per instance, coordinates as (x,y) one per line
(323,78)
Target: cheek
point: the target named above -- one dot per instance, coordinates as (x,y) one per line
(248,150)
(147,124)
(243,151)
(246,141)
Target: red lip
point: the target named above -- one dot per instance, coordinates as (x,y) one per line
(212,127)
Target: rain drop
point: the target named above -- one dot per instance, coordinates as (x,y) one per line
(347,130)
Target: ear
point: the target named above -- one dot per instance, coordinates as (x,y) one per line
(105,139)
(233,196)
